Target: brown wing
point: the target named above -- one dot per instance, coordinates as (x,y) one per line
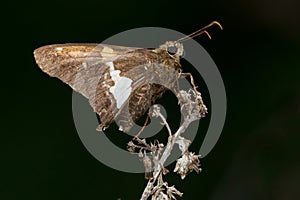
(86,68)
(74,64)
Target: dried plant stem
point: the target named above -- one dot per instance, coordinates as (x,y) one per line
(167,152)
(165,123)
(192,108)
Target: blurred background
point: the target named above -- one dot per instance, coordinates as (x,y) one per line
(257,155)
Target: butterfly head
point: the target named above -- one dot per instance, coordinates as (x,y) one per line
(173,48)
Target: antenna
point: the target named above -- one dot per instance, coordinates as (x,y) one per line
(200,32)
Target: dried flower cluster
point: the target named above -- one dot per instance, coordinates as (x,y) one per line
(155,154)
(188,162)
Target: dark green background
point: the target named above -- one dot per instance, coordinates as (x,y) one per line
(257,156)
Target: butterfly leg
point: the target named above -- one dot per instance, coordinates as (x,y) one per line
(144,126)
(184,75)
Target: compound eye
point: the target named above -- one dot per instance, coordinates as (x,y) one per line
(172,50)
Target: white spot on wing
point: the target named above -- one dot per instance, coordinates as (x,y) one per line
(107,50)
(59,48)
(122,88)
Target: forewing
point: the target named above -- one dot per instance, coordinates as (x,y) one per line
(85,67)
(77,64)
